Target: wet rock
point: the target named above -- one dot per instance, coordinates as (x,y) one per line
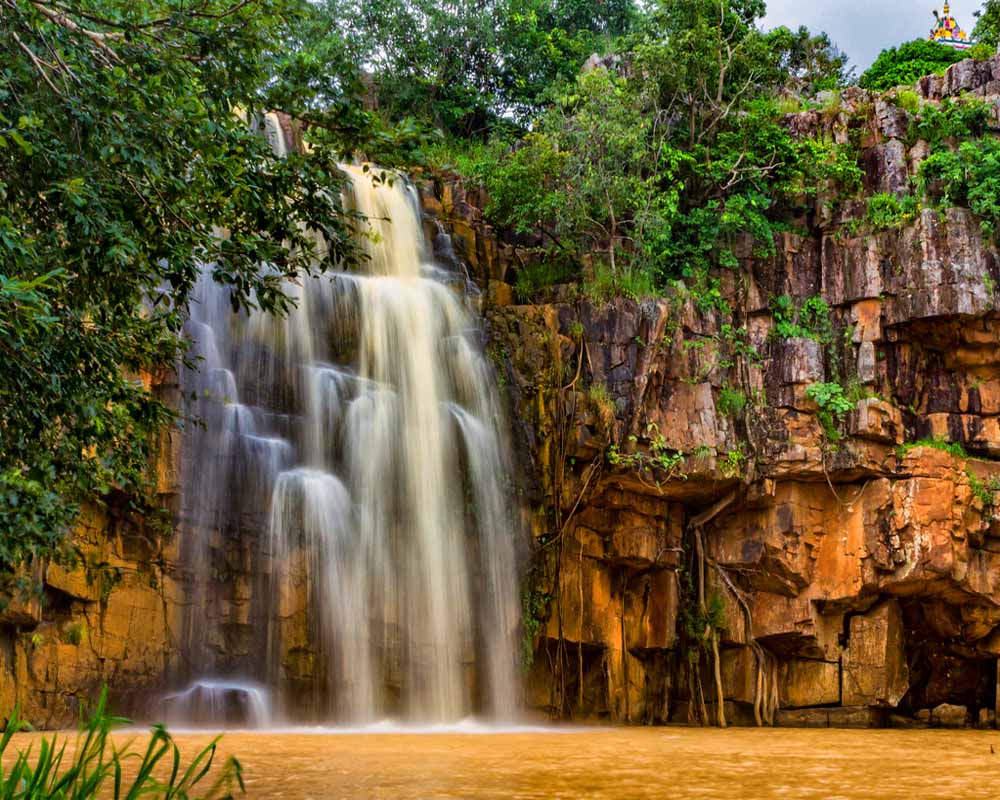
(875,670)
(809,683)
(842,717)
(947,715)
(801,361)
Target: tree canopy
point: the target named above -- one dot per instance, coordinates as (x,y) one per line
(466,66)
(987,30)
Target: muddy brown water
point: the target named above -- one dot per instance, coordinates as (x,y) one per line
(611,763)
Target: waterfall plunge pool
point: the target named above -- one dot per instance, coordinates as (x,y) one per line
(610,763)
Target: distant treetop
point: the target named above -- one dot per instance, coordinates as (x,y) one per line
(908,63)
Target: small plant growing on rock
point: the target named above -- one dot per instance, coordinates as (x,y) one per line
(732,464)
(660,456)
(985,492)
(534,612)
(73,634)
(954,449)
(602,405)
(908,100)
(833,407)
(887,212)
(810,321)
(731,401)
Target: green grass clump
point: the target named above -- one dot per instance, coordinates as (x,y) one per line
(954,449)
(908,100)
(533,278)
(731,402)
(96,766)
(633,283)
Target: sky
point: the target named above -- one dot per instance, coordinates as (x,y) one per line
(863,28)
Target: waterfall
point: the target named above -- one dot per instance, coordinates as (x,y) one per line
(214,702)
(352,454)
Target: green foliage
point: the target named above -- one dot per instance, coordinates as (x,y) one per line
(906,64)
(987,29)
(672,160)
(632,282)
(985,492)
(737,343)
(698,624)
(522,181)
(731,402)
(837,164)
(954,449)
(833,404)
(73,634)
(603,406)
(96,767)
(732,464)
(534,612)
(533,278)
(968,176)
(952,120)
(471,66)
(856,391)
(659,457)
(908,100)
(810,321)
(886,211)
(809,62)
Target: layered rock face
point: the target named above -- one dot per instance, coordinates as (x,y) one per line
(112,620)
(855,557)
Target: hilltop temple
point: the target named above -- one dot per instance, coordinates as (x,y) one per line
(948,32)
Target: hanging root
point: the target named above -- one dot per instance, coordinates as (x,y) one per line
(766,699)
(720,703)
(711,634)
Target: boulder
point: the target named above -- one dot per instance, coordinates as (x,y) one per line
(947,715)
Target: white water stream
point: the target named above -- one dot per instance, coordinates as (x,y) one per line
(360,437)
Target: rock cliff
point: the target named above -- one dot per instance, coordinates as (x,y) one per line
(678,453)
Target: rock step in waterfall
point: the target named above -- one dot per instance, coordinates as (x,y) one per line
(357,441)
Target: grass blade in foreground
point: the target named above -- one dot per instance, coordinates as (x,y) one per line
(99,767)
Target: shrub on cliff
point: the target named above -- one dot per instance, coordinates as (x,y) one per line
(908,63)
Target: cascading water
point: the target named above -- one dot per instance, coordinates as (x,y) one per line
(357,441)
(215,702)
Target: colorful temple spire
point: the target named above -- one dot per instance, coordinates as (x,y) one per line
(948,32)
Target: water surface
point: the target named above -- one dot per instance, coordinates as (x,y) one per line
(614,763)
